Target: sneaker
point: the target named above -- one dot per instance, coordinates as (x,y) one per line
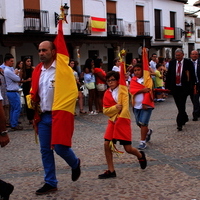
(107,174)
(46,188)
(95,112)
(7,189)
(76,172)
(91,113)
(148,137)
(143,161)
(17,128)
(142,145)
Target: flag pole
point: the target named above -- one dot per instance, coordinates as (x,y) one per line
(144,42)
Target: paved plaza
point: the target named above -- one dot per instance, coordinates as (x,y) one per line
(173,171)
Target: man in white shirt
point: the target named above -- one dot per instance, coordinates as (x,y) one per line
(43,87)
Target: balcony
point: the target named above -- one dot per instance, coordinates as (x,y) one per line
(36,21)
(160,35)
(177,34)
(116,29)
(143,28)
(80,25)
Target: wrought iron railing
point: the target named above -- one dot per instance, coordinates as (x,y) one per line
(80,24)
(116,29)
(143,28)
(36,20)
(160,34)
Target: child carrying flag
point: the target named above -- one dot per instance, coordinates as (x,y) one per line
(119,127)
(142,104)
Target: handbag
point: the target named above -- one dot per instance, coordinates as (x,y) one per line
(90,85)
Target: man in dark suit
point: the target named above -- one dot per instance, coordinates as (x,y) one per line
(180,80)
(194,55)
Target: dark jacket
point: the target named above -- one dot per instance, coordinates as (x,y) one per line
(188,78)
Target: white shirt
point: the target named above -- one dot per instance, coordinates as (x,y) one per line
(139,97)
(177,70)
(1,98)
(116,69)
(153,65)
(115,94)
(46,87)
(195,68)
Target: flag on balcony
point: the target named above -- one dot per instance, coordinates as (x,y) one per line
(168,32)
(65,94)
(98,24)
(188,34)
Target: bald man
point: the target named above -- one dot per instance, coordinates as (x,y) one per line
(43,93)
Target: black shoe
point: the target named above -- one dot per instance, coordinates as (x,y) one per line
(143,161)
(7,190)
(76,172)
(46,188)
(179,128)
(107,174)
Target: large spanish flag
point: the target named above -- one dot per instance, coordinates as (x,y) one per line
(168,32)
(123,123)
(98,24)
(65,94)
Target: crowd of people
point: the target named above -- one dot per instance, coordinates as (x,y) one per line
(179,77)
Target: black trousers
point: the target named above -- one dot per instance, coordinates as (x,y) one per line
(180,95)
(195,102)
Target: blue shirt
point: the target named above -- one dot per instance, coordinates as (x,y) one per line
(12,79)
(88,78)
(2,66)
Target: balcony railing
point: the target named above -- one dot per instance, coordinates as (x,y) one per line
(36,21)
(159,33)
(116,29)
(143,28)
(177,34)
(80,25)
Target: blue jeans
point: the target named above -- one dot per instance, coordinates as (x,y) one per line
(15,107)
(142,116)
(44,132)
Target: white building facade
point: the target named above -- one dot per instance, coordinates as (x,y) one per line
(129,24)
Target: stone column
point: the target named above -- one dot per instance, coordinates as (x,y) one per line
(13,52)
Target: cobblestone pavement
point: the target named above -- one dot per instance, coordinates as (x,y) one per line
(173,171)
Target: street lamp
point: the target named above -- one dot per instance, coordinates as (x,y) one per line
(64,12)
(66,9)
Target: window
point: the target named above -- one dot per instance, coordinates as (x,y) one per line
(198,33)
(157,24)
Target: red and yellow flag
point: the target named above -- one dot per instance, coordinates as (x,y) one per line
(123,123)
(65,94)
(98,24)
(168,32)
(148,82)
(188,34)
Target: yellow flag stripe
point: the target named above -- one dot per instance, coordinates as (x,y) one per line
(65,86)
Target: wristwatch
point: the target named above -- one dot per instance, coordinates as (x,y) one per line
(3,133)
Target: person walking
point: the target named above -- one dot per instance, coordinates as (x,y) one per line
(114,131)
(180,80)
(5,188)
(194,55)
(12,86)
(42,93)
